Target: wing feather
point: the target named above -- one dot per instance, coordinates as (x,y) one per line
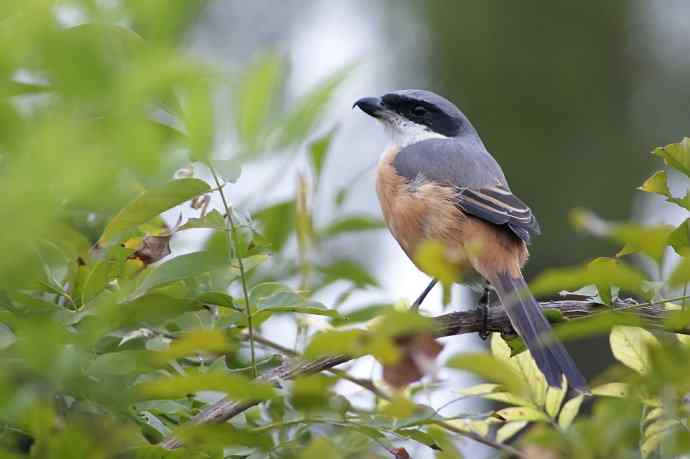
(501,207)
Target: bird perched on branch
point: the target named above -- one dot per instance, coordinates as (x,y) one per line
(437,182)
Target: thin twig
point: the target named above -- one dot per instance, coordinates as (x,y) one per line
(370,386)
(233,241)
(455,323)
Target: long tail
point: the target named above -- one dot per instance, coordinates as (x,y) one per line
(529,321)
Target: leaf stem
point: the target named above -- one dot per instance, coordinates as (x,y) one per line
(233,241)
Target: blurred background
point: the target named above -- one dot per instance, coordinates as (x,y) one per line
(569,98)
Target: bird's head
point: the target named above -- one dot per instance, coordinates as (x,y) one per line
(413,115)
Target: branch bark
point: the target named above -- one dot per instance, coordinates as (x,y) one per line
(455,323)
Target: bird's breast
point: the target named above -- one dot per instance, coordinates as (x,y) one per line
(416,210)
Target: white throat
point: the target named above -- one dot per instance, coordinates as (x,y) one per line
(403,132)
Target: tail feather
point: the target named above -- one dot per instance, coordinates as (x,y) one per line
(528,320)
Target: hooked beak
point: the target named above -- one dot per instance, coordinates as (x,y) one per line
(372,106)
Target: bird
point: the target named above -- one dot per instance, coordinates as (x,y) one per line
(436,181)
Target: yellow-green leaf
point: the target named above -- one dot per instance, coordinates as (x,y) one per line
(150,204)
(507,397)
(399,407)
(681,273)
(489,368)
(650,444)
(569,411)
(208,340)
(657,183)
(554,399)
(509,430)
(522,413)
(612,390)
(431,257)
(236,386)
(629,346)
(479,389)
(679,238)
(676,155)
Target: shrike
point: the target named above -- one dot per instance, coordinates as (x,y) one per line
(437,182)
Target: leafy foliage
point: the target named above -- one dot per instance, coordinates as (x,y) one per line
(112,339)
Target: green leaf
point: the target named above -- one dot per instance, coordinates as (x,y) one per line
(569,411)
(348,270)
(620,390)
(273,297)
(321,448)
(508,398)
(679,238)
(521,413)
(199,117)
(509,430)
(603,272)
(96,281)
(152,308)
(355,343)
(256,97)
(120,363)
(202,340)
(399,407)
(431,257)
(220,435)
(630,347)
(309,109)
(657,183)
(490,368)
(318,150)
(150,204)
(277,223)
(185,267)
(351,224)
(237,387)
(359,315)
(681,273)
(479,390)
(676,155)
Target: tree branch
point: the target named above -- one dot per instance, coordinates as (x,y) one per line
(455,323)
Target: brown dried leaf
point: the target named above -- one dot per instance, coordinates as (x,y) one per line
(153,248)
(418,359)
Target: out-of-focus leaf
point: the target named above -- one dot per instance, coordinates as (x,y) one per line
(219,435)
(236,386)
(321,448)
(217,298)
(681,273)
(277,223)
(657,183)
(360,315)
(318,151)
(650,444)
(491,369)
(521,413)
(676,155)
(351,224)
(153,308)
(650,240)
(309,109)
(620,390)
(432,258)
(256,96)
(272,297)
(630,347)
(150,204)
(120,363)
(509,430)
(354,343)
(679,238)
(184,267)
(311,391)
(199,119)
(399,407)
(569,411)
(96,280)
(603,272)
(348,270)
(202,340)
